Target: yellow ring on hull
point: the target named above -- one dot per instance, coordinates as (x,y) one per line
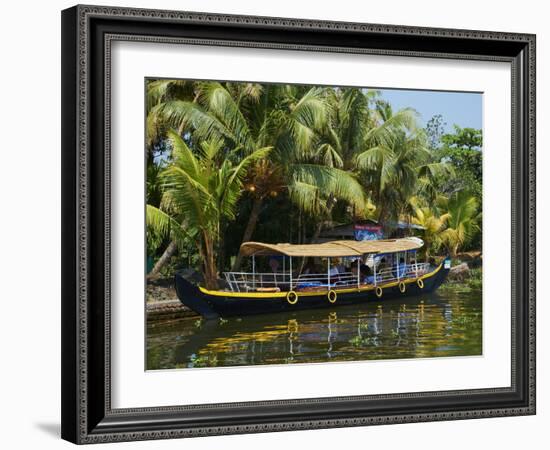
(420,283)
(379,291)
(402,287)
(292,297)
(332,296)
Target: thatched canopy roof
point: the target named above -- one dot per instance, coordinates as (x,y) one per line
(332,249)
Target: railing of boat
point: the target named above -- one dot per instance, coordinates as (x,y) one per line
(284,281)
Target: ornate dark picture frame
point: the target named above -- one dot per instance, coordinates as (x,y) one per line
(87,34)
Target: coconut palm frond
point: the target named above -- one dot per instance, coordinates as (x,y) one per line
(386,133)
(218,102)
(435,170)
(189,117)
(463,217)
(308,117)
(183,156)
(339,183)
(306,197)
(159,91)
(329,156)
(233,182)
(164,224)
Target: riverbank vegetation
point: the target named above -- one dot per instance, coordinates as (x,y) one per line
(232,162)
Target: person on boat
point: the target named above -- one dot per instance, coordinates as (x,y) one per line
(334,272)
(274,264)
(310,267)
(340,266)
(365,272)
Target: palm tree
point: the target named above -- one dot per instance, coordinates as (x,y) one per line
(433,226)
(158,92)
(199,191)
(462,224)
(287,118)
(361,140)
(265,179)
(398,163)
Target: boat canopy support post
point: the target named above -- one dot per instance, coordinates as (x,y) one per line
(374,267)
(398,265)
(254,271)
(290,272)
(358,261)
(328,273)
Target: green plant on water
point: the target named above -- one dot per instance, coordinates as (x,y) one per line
(465,320)
(476,278)
(198,323)
(360,341)
(223,321)
(204,360)
(474,282)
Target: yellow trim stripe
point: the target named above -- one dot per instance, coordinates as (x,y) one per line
(312,293)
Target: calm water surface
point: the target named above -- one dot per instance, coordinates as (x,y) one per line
(431,325)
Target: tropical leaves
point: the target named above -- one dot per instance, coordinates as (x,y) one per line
(452,222)
(200,189)
(463,222)
(329,152)
(311,182)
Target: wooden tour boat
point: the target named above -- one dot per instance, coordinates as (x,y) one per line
(376,270)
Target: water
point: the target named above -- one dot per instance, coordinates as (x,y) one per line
(439,324)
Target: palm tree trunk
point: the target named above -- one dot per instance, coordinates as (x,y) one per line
(163,260)
(427,246)
(316,233)
(249,230)
(319,227)
(454,250)
(382,219)
(210,269)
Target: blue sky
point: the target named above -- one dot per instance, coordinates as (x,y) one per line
(461,108)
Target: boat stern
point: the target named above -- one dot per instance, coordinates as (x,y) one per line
(191,296)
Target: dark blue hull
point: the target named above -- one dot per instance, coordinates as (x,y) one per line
(212,305)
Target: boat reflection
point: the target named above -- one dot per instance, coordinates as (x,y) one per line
(416,327)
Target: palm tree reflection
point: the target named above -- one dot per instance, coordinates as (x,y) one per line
(418,327)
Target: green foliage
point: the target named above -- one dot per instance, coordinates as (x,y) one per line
(361,341)
(462,149)
(463,220)
(469,138)
(223,156)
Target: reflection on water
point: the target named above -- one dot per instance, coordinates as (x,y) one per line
(426,326)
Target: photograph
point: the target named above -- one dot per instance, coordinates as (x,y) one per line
(292,223)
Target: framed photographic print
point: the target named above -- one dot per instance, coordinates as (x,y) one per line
(281,224)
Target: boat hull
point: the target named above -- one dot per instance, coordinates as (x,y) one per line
(215,304)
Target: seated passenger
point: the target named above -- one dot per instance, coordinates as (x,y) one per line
(334,274)
(339,266)
(366,273)
(309,268)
